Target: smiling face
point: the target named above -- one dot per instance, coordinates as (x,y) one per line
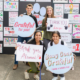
(38,36)
(55,38)
(49,11)
(29,9)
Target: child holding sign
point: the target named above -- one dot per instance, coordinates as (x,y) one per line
(56,40)
(34,69)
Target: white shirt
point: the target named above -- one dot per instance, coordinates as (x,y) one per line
(56,44)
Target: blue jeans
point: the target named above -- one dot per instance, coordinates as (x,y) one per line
(21,39)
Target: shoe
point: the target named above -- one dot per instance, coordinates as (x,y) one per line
(55,78)
(62,78)
(36,77)
(26,75)
(15,66)
(47,69)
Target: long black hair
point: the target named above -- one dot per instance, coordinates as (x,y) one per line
(55,32)
(33,40)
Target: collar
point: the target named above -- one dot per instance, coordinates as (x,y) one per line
(29,15)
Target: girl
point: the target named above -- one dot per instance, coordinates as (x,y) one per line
(34,69)
(47,35)
(56,40)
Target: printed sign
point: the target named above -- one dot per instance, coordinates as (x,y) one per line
(1,5)
(74,18)
(11,0)
(74,1)
(1,15)
(9,31)
(60,25)
(0,48)
(74,47)
(1,26)
(1,36)
(71,8)
(58,59)
(43,0)
(30,53)
(10,6)
(10,42)
(60,1)
(58,10)
(12,17)
(28,0)
(24,26)
(76,31)
(66,37)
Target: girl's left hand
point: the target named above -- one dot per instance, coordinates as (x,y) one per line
(74,58)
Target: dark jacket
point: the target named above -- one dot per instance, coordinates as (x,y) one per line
(34,19)
(32,41)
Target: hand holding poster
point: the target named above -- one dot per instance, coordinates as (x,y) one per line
(28,52)
(60,25)
(58,59)
(24,26)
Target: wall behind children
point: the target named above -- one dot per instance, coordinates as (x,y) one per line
(10,9)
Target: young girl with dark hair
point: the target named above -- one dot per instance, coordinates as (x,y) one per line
(56,40)
(34,68)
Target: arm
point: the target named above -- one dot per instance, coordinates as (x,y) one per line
(43,25)
(36,22)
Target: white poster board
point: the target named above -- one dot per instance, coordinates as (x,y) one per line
(9,31)
(12,18)
(29,53)
(66,37)
(10,42)
(55,24)
(28,0)
(1,36)
(1,15)
(43,0)
(58,59)
(74,47)
(71,8)
(60,1)
(1,26)
(11,6)
(0,48)
(1,6)
(58,10)
(11,0)
(74,1)
(74,18)
(76,31)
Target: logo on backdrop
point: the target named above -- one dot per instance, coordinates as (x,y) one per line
(39,13)
(24,26)
(58,59)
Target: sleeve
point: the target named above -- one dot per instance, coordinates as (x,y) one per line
(65,43)
(36,22)
(43,25)
(48,45)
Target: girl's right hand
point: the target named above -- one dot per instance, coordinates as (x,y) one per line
(46,24)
